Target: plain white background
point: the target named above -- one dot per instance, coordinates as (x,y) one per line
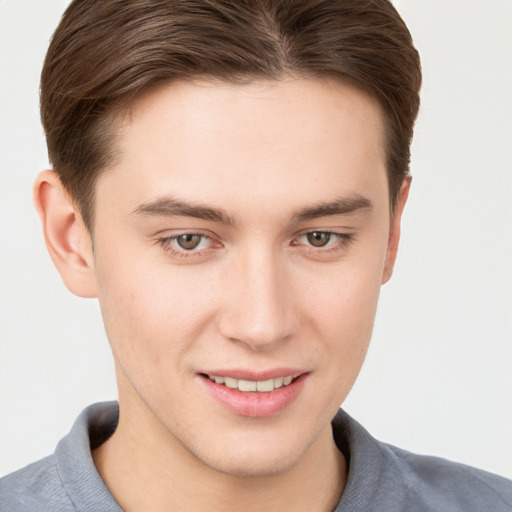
(437,378)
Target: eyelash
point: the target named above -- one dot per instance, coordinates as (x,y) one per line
(342,242)
(167,244)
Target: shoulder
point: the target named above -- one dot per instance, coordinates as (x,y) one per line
(383,478)
(33,488)
(445,485)
(66,481)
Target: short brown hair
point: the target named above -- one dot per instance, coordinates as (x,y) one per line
(105,53)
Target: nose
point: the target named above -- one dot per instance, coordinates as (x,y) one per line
(259,310)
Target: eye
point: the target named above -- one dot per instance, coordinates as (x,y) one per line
(321,243)
(318,238)
(188,241)
(186,244)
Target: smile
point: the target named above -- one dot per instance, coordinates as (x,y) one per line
(262,396)
(262,386)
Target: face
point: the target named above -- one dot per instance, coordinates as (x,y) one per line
(240,243)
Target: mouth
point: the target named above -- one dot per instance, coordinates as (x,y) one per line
(252,386)
(255,396)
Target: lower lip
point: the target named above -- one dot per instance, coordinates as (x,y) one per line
(255,404)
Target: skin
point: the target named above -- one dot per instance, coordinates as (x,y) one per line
(255,294)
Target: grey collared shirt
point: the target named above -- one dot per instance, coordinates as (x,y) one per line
(382,478)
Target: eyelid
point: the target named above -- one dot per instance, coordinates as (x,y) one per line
(331,231)
(344,239)
(167,243)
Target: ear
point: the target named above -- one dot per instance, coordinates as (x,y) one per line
(66,236)
(394,231)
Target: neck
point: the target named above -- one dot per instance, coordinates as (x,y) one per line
(145,468)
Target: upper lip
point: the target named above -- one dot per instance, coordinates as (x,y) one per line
(252,375)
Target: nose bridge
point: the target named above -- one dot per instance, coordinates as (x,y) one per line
(260,310)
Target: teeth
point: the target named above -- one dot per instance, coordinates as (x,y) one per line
(247,385)
(263,386)
(231,383)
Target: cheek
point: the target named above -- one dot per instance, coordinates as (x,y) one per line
(150,311)
(340,305)
(347,326)
(345,314)
(344,297)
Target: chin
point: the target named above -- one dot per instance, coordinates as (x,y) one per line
(250,465)
(259,454)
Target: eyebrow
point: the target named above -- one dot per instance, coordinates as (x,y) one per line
(168,207)
(340,206)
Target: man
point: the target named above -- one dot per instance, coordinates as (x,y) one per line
(229,182)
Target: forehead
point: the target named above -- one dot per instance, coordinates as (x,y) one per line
(221,142)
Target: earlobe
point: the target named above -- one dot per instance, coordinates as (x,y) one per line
(394,231)
(66,237)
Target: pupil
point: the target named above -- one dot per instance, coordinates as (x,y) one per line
(318,238)
(188,241)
